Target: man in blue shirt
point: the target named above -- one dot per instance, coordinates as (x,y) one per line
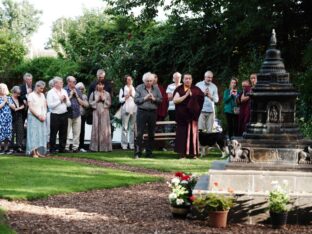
(207,116)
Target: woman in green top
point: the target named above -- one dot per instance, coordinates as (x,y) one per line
(230,108)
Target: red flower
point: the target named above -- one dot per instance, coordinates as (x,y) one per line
(216,184)
(179,174)
(185,177)
(192,198)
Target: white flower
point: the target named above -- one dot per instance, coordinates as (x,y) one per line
(184,182)
(175,181)
(274,184)
(285,183)
(172,196)
(179,201)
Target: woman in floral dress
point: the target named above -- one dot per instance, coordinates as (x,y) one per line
(5,119)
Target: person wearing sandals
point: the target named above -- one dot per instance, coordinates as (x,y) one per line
(36,145)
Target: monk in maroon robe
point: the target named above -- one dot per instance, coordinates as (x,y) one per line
(243,100)
(188,100)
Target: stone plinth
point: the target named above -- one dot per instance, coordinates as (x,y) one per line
(251,187)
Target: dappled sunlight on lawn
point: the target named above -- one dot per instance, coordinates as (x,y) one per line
(162,161)
(24,178)
(63,213)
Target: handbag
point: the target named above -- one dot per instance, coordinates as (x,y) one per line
(89,115)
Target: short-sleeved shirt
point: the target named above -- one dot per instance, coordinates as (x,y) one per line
(39,103)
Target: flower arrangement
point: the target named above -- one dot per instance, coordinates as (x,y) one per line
(279,198)
(213,202)
(181,186)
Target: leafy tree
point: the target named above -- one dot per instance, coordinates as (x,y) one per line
(45,68)
(20,18)
(12,52)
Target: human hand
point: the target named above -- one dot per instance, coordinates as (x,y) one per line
(152,97)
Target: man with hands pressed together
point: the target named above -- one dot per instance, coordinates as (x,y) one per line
(74,115)
(58,101)
(207,116)
(147,98)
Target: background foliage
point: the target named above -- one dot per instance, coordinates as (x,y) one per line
(226,36)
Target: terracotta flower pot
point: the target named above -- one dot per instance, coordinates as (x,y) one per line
(179,211)
(218,219)
(278,220)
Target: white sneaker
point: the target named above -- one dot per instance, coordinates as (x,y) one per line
(82,150)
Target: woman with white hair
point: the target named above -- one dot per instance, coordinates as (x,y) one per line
(5,119)
(84,104)
(36,145)
(17,110)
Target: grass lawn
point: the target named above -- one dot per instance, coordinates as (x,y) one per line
(4,228)
(28,178)
(163,161)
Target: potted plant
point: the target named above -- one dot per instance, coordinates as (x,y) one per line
(278,204)
(216,206)
(180,198)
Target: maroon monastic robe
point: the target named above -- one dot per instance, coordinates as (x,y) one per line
(244,112)
(187,114)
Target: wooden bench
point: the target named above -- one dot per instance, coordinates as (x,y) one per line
(162,136)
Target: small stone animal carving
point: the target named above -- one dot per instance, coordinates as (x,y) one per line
(237,152)
(305,155)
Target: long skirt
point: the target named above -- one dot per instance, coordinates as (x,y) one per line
(187,142)
(36,135)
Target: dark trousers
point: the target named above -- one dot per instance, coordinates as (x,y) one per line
(18,131)
(171,114)
(145,119)
(82,132)
(58,124)
(232,122)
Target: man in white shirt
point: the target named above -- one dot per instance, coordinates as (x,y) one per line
(207,116)
(58,102)
(176,78)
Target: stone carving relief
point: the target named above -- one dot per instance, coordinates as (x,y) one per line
(274,112)
(238,153)
(305,155)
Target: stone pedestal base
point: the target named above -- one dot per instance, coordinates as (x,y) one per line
(251,187)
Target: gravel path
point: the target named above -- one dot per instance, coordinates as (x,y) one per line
(135,209)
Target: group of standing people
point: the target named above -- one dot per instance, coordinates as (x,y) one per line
(63,111)
(237,105)
(57,112)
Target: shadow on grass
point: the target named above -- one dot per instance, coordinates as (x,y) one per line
(26,178)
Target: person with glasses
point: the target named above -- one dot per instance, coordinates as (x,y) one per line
(58,101)
(74,114)
(83,110)
(207,115)
(188,100)
(147,98)
(17,110)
